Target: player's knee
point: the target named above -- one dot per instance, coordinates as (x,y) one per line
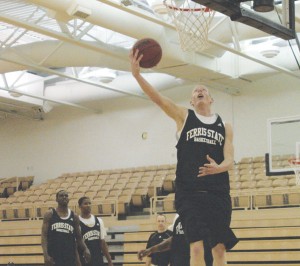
(197,249)
(219,251)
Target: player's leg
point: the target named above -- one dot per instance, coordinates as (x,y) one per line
(219,255)
(197,254)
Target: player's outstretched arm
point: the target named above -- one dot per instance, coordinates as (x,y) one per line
(176,112)
(161,247)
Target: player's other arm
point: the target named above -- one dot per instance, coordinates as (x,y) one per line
(80,243)
(176,112)
(44,238)
(228,161)
(161,247)
(212,167)
(105,252)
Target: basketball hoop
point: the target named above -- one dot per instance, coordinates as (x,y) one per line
(295,164)
(192,23)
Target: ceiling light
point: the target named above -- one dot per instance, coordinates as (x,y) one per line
(270,51)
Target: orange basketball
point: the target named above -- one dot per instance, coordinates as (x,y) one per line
(151,51)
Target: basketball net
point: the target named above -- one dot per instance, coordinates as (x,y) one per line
(192,23)
(295,164)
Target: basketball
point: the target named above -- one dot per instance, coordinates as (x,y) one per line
(151,51)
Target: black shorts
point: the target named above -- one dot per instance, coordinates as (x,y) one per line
(206,215)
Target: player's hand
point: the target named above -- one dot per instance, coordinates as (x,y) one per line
(87,255)
(143,253)
(135,62)
(209,168)
(49,261)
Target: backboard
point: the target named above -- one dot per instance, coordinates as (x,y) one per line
(280,22)
(283,144)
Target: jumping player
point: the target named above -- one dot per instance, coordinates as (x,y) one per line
(93,233)
(204,156)
(60,233)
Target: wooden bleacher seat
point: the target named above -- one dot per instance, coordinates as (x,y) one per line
(90,193)
(241,201)
(169,203)
(280,183)
(119,185)
(247,177)
(248,185)
(169,184)
(246,160)
(123,204)
(139,197)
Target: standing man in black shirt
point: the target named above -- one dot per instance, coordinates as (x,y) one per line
(178,246)
(60,233)
(162,258)
(204,156)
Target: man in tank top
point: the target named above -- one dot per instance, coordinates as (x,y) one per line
(61,234)
(93,233)
(204,156)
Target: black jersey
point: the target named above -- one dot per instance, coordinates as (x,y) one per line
(92,236)
(197,140)
(161,258)
(61,239)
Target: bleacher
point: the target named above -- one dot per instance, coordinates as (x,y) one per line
(264,216)
(266,238)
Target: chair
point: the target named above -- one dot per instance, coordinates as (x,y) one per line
(235,185)
(124,204)
(33,198)
(169,184)
(248,185)
(134,179)
(280,184)
(247,177)
(24,211)
(42,208)
(119,186)
(139,197)
(131,185)
(264,185)
(81,178)
(246,171)
(99,182)
(102,193)
(44,197)
(88,183)
(155,188)
(168,203)
(246,160)
(92,178)
(7,212)
(261,177)
(241,201)
(95,188)
(127,191)
(83,189)
(114,193)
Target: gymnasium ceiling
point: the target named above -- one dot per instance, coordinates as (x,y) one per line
(75,53)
